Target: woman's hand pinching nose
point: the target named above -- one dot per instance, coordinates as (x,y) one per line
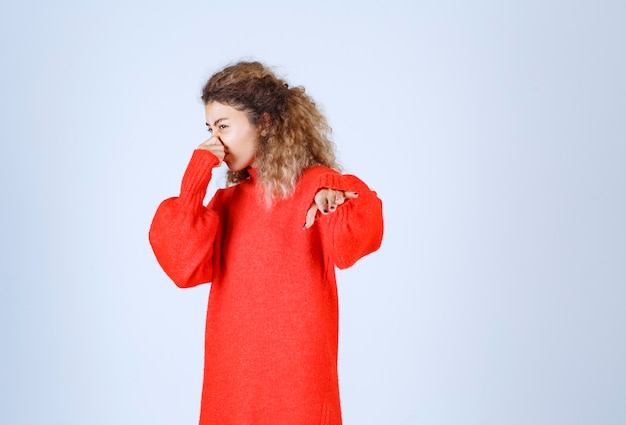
(326,201)
(215,146)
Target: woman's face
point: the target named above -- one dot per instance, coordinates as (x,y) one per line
(233,129)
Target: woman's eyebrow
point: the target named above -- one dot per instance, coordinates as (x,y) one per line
(216,122)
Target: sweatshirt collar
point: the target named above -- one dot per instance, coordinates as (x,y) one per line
(253,173)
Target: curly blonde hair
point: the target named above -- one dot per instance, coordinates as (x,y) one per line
(296,137)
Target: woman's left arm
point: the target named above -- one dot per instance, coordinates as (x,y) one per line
(350,215)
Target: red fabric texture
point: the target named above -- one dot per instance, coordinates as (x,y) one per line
(272,317)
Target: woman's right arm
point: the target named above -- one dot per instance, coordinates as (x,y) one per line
(183,230)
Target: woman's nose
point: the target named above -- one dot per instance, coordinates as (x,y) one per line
(218,136)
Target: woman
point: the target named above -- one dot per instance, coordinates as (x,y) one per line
(269,244)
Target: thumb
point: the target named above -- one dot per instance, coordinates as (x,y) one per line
(310,216)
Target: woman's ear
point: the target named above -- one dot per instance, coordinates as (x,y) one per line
(264,123)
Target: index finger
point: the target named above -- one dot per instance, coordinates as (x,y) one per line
(213,140)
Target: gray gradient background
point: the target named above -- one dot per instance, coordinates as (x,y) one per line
(494,132)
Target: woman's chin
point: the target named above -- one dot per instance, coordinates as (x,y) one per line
(233,167)
(237,165)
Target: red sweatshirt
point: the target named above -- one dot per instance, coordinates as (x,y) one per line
(272,320)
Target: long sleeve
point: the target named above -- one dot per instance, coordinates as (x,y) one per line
(183,230)
(355,229)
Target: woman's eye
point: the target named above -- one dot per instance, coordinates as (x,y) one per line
(223,126)
(209,130)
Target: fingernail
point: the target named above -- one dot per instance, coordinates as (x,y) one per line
(332,208)
(325,211)
(304,225)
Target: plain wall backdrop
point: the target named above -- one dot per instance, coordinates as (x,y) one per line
(494,132)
